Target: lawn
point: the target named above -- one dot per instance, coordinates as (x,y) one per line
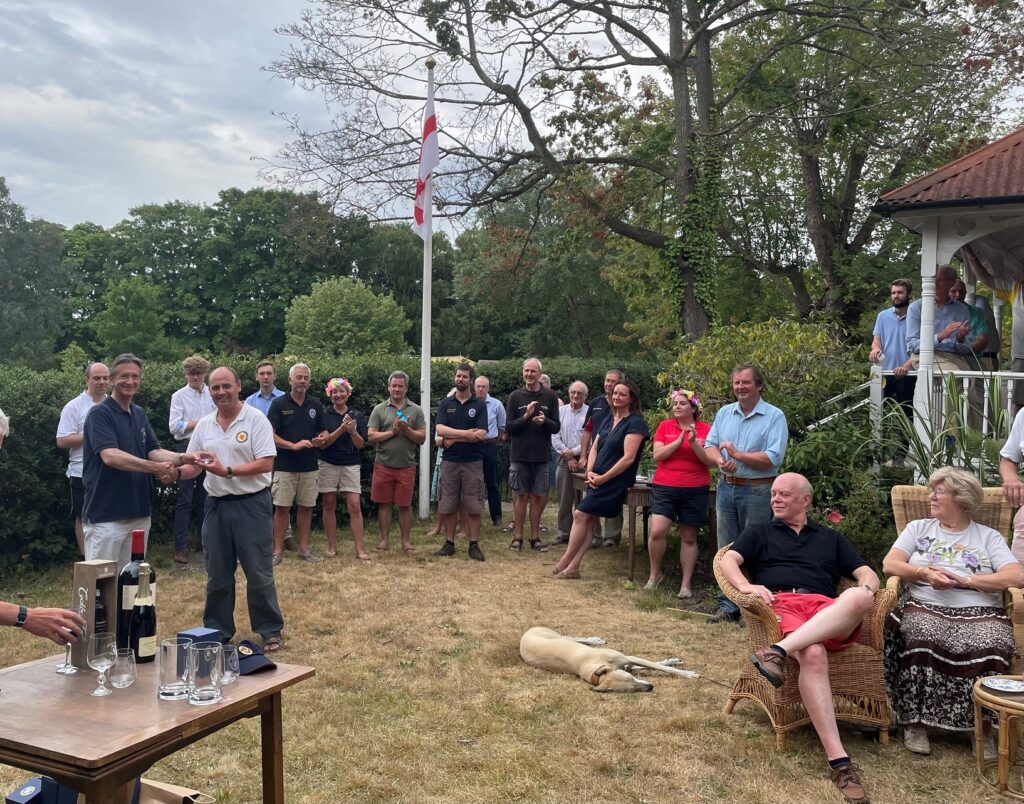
(420,694)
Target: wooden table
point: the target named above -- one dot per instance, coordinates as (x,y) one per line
(50,724)
(1009,708)
(637,497)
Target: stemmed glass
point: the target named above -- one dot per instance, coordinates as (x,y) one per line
(67,669)
(102,653)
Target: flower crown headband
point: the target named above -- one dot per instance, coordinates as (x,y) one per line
(335,383)
(689,396)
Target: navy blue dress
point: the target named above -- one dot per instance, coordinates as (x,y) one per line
(606,500)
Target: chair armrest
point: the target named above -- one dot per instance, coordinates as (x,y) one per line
(754,609)
(893,583)
(1013,598)
(872,631)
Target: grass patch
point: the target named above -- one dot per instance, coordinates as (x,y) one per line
(420,695)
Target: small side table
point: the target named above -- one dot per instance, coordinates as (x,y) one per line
(1009,709)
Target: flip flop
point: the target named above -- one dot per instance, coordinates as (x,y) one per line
(362,556)
(509,528)
(382,548)
(331,553)
(273,644)
(517,545)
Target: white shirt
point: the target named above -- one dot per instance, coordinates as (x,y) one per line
(72,421)
(1014,445)
(188,405)
(568,437)
(247,438)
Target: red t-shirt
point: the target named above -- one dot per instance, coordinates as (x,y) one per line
(682,468)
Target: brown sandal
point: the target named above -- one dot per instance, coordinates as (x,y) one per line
(517,545)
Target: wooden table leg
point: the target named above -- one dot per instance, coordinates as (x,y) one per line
(272,743)
(105,791)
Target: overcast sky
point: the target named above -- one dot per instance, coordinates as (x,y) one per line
(108,105)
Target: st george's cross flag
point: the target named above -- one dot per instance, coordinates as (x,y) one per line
(429,159)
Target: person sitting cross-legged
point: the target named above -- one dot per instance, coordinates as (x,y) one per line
(793,565)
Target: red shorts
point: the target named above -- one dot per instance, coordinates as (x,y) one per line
(793,610)
(391,485)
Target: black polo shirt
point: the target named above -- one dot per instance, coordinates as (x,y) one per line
(294,422)
(599,409)
(343,452)
(776,556)
(468,415)
(112,494)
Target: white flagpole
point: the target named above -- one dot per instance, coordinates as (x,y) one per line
(425,326)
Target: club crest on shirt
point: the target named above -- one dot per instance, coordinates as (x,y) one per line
(472,413)
(242,437)
(312,413)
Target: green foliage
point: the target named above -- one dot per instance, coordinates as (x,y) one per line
(827,454)
(803,364)
(133,320)
(32,281)
(867,519)
(343,316)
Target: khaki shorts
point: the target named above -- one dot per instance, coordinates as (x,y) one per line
(294,487)
(462,482)
(331,478)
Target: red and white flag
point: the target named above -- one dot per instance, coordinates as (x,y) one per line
(429,158)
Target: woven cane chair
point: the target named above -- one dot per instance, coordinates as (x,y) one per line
(911,502)
(858,683)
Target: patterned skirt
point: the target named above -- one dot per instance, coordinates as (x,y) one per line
(933,656)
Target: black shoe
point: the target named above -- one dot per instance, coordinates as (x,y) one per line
(723,617)
(561,540)
(447,549)
(474,551)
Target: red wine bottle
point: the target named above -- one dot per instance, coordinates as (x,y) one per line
(142,628)
(128,587)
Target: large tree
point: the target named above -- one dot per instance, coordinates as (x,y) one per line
(32,285)
(541,93)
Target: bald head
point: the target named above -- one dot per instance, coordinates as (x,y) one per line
(791,498)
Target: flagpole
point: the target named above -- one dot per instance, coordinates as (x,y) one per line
(425,325)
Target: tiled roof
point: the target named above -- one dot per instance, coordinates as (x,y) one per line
(993,174)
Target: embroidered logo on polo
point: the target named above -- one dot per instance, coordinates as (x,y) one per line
(242,437)
(312,413)
(472,413)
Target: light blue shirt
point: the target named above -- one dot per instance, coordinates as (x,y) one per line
(892,332)
(496,417)
(944,316)
(764,429)
(262,403)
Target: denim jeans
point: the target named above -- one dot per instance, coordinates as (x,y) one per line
(738,507)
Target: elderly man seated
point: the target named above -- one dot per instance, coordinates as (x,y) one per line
(793,565)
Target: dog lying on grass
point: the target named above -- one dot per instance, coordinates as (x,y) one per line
(606,670)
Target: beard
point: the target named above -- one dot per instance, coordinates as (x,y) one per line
(899,305)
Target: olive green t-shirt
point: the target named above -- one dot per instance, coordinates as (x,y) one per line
(398,452)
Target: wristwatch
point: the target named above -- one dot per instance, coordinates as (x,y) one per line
(230,473)
(22,616)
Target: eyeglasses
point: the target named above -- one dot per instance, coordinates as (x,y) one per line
(939,491)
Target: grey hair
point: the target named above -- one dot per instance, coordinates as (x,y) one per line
(400,374)
(298,366)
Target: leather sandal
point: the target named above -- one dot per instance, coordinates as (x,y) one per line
(538,545)
(517,545)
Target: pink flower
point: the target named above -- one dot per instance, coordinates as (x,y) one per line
(834,517)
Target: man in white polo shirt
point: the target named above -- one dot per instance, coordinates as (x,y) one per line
(70,437)
(236,446)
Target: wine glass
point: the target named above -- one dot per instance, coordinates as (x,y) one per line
(67,669)
(102,653)
(124,672)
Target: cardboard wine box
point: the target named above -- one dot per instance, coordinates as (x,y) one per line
(90,576)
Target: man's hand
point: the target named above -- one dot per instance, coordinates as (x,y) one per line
(901,370)
(1013,491)
(401,425)
(949,329)
(191,457)
(214,466)
(727,465)
(539,419)
(572,464)
(763,592)
(875,354)
(568,454)
(305,443)
(528,413)
(58,625)
(167,473)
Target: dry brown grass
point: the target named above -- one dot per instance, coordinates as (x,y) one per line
(420,695)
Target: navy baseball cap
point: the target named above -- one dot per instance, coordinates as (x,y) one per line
(251,658)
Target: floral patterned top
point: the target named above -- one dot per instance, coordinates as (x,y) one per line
(976,550)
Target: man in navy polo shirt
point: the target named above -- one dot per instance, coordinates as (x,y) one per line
(120,453)
(297,420)
(462,423)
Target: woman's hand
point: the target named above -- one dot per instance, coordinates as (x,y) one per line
(594,479)
(938,579)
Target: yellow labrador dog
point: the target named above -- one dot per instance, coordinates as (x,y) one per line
(606,670)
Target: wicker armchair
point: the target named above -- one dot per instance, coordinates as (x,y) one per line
(858,683)
(911,502)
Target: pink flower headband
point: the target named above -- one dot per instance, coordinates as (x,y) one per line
(335,383)
(689,396)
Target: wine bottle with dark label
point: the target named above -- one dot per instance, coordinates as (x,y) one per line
(128,586)
(142,628)
(101,624)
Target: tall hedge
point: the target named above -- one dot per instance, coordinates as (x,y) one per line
(35,524)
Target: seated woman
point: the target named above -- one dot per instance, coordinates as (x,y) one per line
(949,628)
(611,470)
(680,488)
